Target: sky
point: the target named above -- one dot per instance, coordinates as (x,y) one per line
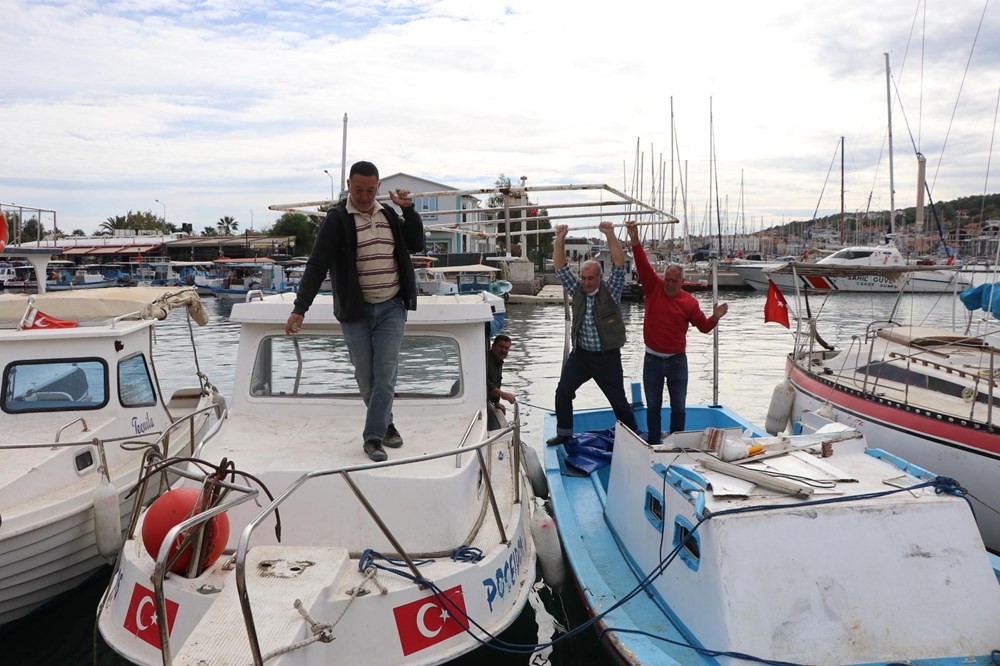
(199,109)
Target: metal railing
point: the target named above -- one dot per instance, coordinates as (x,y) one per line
(243,547)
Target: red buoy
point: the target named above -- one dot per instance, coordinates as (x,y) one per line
(173,507)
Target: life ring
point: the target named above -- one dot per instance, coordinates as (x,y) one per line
(3,231)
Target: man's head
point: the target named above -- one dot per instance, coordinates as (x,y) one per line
(590,276)
(673,278)
(501,346)
(362,185)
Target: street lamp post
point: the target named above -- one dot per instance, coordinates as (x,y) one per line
(333,195)
(164,211)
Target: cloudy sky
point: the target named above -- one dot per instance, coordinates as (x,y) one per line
(224,107)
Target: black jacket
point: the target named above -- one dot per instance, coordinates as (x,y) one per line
(336,252)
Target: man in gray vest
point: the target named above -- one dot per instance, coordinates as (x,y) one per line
(598,333)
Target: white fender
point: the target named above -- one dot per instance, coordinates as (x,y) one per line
(535,472)
(107,519)
(550,555)
(780,409)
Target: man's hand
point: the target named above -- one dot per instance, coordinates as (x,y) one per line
(561,231)
(294,324)
(608,228)
(508,396)
(633,231)
(401,197)
(720,311)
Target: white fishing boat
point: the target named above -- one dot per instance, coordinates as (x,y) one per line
(240,277)
(80,410)
(415,560)
(715,547)
(871,269)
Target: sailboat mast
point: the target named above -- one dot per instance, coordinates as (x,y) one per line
(843,221)
(892,183)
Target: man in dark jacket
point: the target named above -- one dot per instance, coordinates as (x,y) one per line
(365,247)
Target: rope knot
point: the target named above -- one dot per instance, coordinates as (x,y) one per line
(947,485)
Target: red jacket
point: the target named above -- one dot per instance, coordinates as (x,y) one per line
(665,325)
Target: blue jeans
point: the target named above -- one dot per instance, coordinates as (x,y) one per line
(656,369)
(605,368)
(373,342)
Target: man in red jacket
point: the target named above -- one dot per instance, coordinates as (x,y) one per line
(668,312)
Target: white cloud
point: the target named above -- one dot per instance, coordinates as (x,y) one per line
(220,108)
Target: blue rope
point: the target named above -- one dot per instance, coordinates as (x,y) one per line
(466,554)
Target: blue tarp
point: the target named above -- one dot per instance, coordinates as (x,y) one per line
(590,451)
(985,297)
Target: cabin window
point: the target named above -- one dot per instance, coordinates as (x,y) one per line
(135,388)
(688,541)
(55,385)
(319,366)
(654,508)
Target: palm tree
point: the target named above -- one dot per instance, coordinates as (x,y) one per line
(114,223)
(227,225)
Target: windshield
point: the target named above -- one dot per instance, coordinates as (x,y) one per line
(319,366)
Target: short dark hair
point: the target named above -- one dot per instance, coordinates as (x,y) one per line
(363,169)
(502,338)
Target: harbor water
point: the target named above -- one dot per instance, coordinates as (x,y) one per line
(750,362)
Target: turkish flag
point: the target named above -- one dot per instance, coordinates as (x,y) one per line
(775,307)
(430,620)
(141,619)
(35,318)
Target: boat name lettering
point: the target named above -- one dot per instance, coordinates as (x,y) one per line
(142,426)
(506,577)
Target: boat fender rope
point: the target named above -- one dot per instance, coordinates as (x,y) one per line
(466,554)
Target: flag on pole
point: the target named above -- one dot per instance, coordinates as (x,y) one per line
(35,318)
(775,307)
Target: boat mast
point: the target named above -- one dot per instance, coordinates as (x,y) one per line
(892,184)
(843,222)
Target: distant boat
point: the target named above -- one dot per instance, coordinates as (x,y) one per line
(880,268)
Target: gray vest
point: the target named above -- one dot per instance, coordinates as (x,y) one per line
(607,317)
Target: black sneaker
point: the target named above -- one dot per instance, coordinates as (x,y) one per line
(374,449)
(557,440)
(392,438)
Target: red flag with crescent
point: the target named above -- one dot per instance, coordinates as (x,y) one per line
(141,619)
(430,620)
(35,318)
(775,307)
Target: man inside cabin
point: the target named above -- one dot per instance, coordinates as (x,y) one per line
(365,247)
(598,333)
(668,311)
(494,378)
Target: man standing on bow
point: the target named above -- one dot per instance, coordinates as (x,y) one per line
(598,333)
(365,247)
(668,311)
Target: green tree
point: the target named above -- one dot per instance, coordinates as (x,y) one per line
(32,230)
(299,225)
(227,225)
(134,221)
(78,232)
(210,231)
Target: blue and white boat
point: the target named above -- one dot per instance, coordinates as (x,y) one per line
(814,549)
